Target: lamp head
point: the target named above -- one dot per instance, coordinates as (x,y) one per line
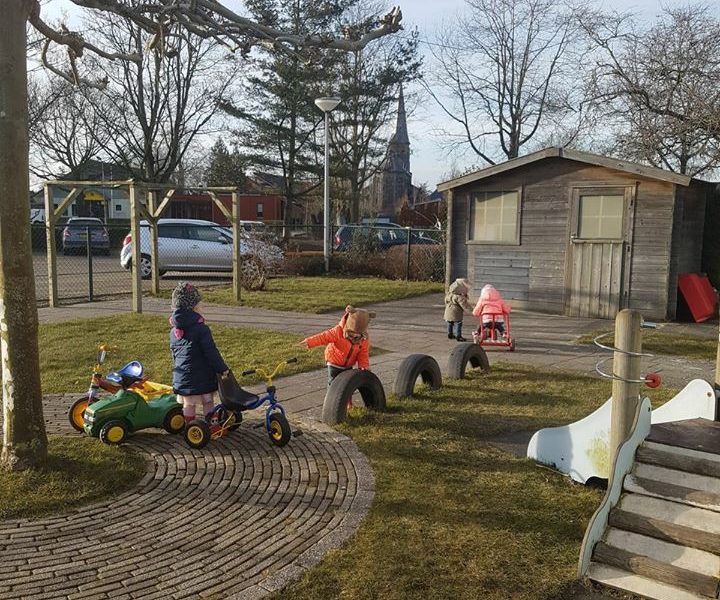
(327,103)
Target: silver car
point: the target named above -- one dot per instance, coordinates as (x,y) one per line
(195,245)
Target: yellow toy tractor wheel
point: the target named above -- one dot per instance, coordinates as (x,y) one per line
(75,414)
(174,421)
(113,432)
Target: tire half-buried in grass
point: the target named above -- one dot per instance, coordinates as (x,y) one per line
(465,353)
(412,367)
(344,386)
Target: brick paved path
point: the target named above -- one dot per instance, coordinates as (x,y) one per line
(238,519)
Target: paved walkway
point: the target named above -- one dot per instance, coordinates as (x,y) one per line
(242,518)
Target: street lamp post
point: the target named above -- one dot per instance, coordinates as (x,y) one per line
(327,104)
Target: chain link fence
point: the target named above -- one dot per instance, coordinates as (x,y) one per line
(94,259)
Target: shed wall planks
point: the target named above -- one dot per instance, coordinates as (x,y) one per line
(535,274)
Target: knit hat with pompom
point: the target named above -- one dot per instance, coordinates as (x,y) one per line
(185,296)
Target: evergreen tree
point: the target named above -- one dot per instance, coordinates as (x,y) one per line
(279,120)
(225,168)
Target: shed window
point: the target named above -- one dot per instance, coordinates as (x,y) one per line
(259,210)
(601,217)
(495,217)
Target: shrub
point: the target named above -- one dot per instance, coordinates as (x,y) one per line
(354,264)
(302,264)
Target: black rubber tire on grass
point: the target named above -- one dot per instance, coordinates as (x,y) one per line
(344,386)
(414,366)
(465,353)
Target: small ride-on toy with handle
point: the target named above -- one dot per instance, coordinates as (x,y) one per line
(113,418)
(490,337)
(234,400)
(112,383)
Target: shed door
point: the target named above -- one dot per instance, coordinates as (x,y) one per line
(598,240)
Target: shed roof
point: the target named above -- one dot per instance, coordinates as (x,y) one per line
(577,155)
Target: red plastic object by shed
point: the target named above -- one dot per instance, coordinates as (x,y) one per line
(699,295)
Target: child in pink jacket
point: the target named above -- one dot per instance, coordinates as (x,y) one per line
(491,307)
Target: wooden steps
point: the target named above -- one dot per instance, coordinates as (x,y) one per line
(663,536)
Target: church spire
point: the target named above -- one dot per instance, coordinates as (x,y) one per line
(401,135)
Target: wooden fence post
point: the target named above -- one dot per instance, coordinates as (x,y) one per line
(136,282)
(236,249)
(626,386)
(50,237)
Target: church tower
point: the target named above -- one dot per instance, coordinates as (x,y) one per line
(396,186)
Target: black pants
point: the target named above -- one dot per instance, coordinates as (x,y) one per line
(334,371)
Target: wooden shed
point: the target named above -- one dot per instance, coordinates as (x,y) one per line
(569,232)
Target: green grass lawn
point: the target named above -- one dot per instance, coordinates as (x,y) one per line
(454,517)
(68,350)
(320,294)
(659,342)
(79,470)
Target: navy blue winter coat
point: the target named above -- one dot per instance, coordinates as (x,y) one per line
(196,359)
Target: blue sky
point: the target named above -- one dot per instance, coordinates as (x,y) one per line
(429,162)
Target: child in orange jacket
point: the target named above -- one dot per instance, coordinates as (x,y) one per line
(346,344)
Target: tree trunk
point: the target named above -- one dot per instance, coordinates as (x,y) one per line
(355,194)
(24,438)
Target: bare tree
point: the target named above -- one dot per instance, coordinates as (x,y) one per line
(151,111)
(500,73)
(24,437)
(68,129)
(661,86)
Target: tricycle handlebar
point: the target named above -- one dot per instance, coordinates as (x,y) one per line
(270,376)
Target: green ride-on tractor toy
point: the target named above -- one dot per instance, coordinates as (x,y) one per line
(113,418)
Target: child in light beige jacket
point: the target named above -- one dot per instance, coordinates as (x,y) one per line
(457,302)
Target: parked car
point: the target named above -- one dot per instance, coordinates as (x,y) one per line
(195,245)
(387,234)
(75,235)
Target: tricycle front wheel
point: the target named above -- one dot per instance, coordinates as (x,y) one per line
(197,434)
(75,414)
(279,429)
